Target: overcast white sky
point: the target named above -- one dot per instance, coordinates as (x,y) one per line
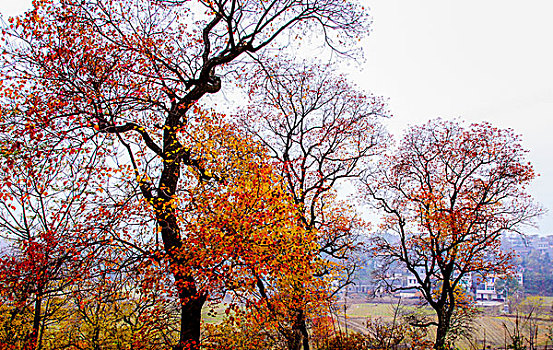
(480,60)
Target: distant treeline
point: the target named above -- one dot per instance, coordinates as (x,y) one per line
(538,273)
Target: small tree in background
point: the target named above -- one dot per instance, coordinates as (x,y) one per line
(448,193)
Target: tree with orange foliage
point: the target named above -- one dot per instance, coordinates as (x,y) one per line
(321,132)
(448,193)
(127,77)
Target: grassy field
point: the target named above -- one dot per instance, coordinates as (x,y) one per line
(213,313)
(491,327)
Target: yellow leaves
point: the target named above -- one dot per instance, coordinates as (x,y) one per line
(245,225)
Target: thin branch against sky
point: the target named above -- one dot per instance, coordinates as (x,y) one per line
(474,60)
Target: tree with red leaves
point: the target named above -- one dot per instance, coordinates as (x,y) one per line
(127,78)
(448,193)
(45,223)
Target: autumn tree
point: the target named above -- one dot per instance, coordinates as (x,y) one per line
(61,226)
(129,75)
(253,230)
(448,193)
(45,210)
(322,132)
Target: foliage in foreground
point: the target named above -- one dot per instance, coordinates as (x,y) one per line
(129,202)
(125,86)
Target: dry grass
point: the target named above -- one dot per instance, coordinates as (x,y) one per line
(491,328)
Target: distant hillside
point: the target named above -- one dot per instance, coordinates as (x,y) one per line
(536,257)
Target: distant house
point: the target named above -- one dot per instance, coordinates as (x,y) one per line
(485,289)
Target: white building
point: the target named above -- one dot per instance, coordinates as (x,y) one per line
(485,288)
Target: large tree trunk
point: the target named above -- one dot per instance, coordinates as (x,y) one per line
(190,321)
(303,329)
(298,335)
(191,301)
(442,330)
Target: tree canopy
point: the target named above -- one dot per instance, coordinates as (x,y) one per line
(448,193)
(122,86)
